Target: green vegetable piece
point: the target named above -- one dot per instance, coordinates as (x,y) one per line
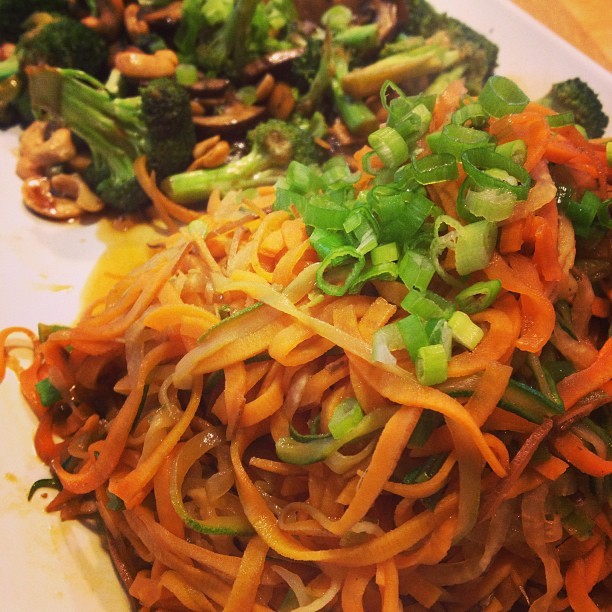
(501,96)
(346,416)
(431,364)
(47,393)
(465,331)
(305,453)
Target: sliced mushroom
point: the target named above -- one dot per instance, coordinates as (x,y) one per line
(270,63)
(61,197)
(209,87)
(235,119)
(39,149)
(389,15)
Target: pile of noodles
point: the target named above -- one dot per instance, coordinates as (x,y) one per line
(177,388)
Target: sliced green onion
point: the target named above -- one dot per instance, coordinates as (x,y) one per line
(476,163)
(475,246)
(367,163)
(431,364)
(347,257)
(285,198)
(324,213)
(464,330)
(454,139)
(469,113)
(386,271)
(385,340)
(334,170)
(560,120)
(478,296)
(390,146)
(47,393)
(435,168)
(400,214)
(501,96)
(384,253)
(516,150)
(324,241)
(438,332)
(491,204)
(302,178)
(346,416)
(413,333)
(427,304)
(416,270)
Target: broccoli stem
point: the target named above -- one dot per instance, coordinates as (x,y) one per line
(237,32)
(426,60)
(92,115)
(359,119)
(195,186)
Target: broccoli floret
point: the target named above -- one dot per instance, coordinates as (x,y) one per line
(55,41)
(320,70)
(13,14)
(432,44)
(65,43)
(221,38)
(477,54)
(220,49)
(274,143)
(157,123)
(577,97)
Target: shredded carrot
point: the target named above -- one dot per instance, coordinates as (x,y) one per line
(577,385)
(573,449)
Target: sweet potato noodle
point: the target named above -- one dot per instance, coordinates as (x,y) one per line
(193,418)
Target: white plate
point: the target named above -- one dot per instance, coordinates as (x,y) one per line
(48,565)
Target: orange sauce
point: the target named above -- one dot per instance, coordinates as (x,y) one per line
(127,247)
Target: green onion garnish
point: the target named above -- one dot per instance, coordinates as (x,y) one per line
(431,364)
(346,415)
(501,96)
(478,296)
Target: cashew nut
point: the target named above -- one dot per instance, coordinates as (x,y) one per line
(39,150)
(61,197)
(169,13)
(134,24)
(109,22)
(74,187)
(137,65)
